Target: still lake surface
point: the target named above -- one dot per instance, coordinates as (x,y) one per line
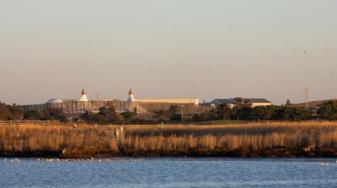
(168,172)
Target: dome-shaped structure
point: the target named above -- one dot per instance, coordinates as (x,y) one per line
(54,100)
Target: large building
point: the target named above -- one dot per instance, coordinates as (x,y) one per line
(83,104)
(233,102)
(188,106)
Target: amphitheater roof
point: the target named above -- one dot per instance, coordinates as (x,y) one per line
(54,100)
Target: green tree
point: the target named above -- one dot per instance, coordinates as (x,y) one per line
(292,113)
(90,117)
(106,115)
(54,114)
(223,112)
(110,115)
(33,115)
(243,113)
(328,111)
(161,115)
(288,102)
(262,112)
(128,116)
(174,113)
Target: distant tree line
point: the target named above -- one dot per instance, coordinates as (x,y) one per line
(106,115)
(258,113)
(48,114)
(109,115)
(12,112)
(327,111)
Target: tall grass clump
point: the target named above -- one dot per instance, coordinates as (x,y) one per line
(56,138)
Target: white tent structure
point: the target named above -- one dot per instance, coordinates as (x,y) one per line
(84,97)
(131,97)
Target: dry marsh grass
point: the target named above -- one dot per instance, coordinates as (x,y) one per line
(55,138)
(261,139)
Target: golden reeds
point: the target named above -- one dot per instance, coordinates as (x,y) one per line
(147,140)
(54,138)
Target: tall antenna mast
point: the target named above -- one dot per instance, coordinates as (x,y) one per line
(98,96)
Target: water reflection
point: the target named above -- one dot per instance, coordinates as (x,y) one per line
(168,172)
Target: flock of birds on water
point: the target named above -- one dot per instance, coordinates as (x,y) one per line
(16,160)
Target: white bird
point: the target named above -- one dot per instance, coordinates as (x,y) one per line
(324,164)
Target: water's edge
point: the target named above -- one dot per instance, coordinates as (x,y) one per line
(79,154)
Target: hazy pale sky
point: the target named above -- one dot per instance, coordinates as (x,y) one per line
(168,48)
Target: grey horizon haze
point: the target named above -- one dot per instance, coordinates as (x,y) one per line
(168,48)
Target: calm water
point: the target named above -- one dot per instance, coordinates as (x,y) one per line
(169,172)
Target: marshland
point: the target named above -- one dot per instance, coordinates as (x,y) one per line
(250,139)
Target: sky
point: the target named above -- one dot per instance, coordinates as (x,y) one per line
(168,48)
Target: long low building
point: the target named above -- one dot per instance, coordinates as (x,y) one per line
(233,102)
(131,104)
(170,101)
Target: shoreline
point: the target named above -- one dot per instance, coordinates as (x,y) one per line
(272,153)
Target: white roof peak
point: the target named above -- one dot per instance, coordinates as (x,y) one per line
(84,97)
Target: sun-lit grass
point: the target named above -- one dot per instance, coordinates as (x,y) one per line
(55,138)
(170,139)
